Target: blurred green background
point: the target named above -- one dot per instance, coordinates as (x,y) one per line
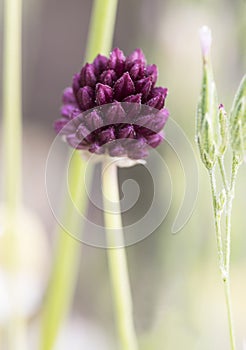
(177,293)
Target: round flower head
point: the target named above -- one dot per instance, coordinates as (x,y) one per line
(114,107)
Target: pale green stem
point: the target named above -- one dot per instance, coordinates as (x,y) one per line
(66,264)
(224,258)
(101,29)
(217,218)
(229,312)
(117,258)
(223,173)
(228,206)
(230,197)
(235,167)
(12,146)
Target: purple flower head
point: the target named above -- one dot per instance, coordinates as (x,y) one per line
(114,107)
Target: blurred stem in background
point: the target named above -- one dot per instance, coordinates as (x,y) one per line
(12,145)
(117,260)
(12,105)
(66,263)
(65,272)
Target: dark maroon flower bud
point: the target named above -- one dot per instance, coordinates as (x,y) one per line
(133,99)
(84,144)
(93,121)
(82,132)
(108,77)
(145,120)
(66,110)
(157,101)
(137,70)
(160,119)
(133,106)
(95,148)
(152,71)
(68,96)
(126,132)
(107,135)
(154,140)
(139,143)
(59,124)
(116,149)
(137,149)
(115,113)
(140,153)
(117,61)
(100,64)
(136,55)
(85,98)
(154,122)
(144,86)
(65,126)
(104,94)
(73,141)
(143,131)
(76,83)
(87,75)
(75,113)
(123,87)
(159,90)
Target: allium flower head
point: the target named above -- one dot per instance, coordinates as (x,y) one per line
(114,106)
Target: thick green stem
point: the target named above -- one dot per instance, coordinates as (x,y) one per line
(66,264)
(101,28)
(117,258)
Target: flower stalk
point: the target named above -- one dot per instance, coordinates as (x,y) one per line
(224,250)
(117,260)
(118,133)
(66,264)
(101,29)
(214,132)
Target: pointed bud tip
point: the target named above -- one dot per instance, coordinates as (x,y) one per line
(222,109)
(206,40)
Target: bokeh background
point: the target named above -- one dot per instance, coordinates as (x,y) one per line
(177,293)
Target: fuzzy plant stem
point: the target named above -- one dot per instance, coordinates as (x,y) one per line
(68,250)
(12,146)
(117,260)
(230,197)
(224,253)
